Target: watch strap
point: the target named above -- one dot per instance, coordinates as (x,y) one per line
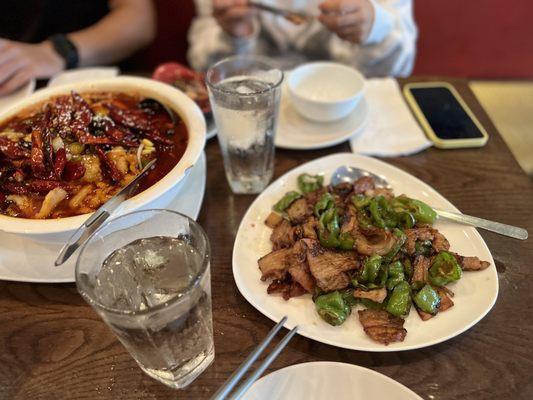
(66,49)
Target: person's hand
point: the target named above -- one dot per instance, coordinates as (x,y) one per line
(351,20)
(21,62)
(234,16)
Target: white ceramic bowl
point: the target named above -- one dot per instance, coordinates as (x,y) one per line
(325,91)
(54,230)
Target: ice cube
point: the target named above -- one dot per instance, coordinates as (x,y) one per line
(242,89)
(150,259)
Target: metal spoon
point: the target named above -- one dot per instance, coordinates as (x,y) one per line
(350,174)
(154,104)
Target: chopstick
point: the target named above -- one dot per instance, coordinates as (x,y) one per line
(223,392)
(280,11)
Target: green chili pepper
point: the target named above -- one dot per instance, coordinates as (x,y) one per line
(332,308)
(363,220)
(360,201)
(328,228)
(382,277)
(407,220)
(399,301)
(373,305)
(346,241)
(444,269)
(347,296)
(427,299)
(395,274)
(325,202)
(375,213)
(371,268)
(422,247)
(286,201)
(309,183)
(408,268)
(400,240)
(381,213)
(417,285)
(318,292)
(420,210)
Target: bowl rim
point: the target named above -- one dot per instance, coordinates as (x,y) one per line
(185,107)
(314,64)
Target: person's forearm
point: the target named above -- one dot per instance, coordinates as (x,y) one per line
(129,26)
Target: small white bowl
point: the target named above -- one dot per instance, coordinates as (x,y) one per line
(59,229)
(325,91)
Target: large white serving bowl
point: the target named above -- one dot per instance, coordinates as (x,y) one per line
(59,229)
(325,91)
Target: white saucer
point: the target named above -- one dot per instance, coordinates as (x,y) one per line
(30,261)
(327,381)
(298,133)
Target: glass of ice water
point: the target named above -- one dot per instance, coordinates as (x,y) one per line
(244,92)
(147,274)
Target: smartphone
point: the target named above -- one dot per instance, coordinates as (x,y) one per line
(444,116)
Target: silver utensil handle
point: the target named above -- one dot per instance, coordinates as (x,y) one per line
(231,382)
(502,229)
(264,365)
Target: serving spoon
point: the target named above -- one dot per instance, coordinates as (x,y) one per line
(350,174)
(85,231)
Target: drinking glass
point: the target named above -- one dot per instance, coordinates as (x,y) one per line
(147,274)
(244,92)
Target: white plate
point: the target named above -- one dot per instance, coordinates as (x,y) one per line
(22,92)
(82,74)
(327,381)
(298,133)
(25,260)
(475,293)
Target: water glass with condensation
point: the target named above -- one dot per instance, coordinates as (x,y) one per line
(244,92)
(147,275)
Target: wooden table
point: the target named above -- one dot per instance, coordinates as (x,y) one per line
(53,346)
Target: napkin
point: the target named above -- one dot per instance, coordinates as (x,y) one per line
(391,129)
(82,74)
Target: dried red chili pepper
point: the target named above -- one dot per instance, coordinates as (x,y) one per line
(13,150)
(15,188)
(158,139)
(60,162)
(43,185)
(136,119)
(73,171)
(110,166)
(37,153)
(82,115)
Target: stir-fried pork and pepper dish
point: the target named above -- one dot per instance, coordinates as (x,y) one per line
(72,153)
(357,244)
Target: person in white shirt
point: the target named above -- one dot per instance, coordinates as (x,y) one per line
(378,37)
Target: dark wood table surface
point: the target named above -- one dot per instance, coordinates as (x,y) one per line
(53,346)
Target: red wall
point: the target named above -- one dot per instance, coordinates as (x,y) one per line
(475,38)
(472,38)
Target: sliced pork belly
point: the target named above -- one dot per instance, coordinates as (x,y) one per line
(328,267)
(382,327)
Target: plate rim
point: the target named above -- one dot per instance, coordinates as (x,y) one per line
(203,167)
(385,349)
(354,132)
(355,367)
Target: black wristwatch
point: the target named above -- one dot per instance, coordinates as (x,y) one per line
(66,49)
